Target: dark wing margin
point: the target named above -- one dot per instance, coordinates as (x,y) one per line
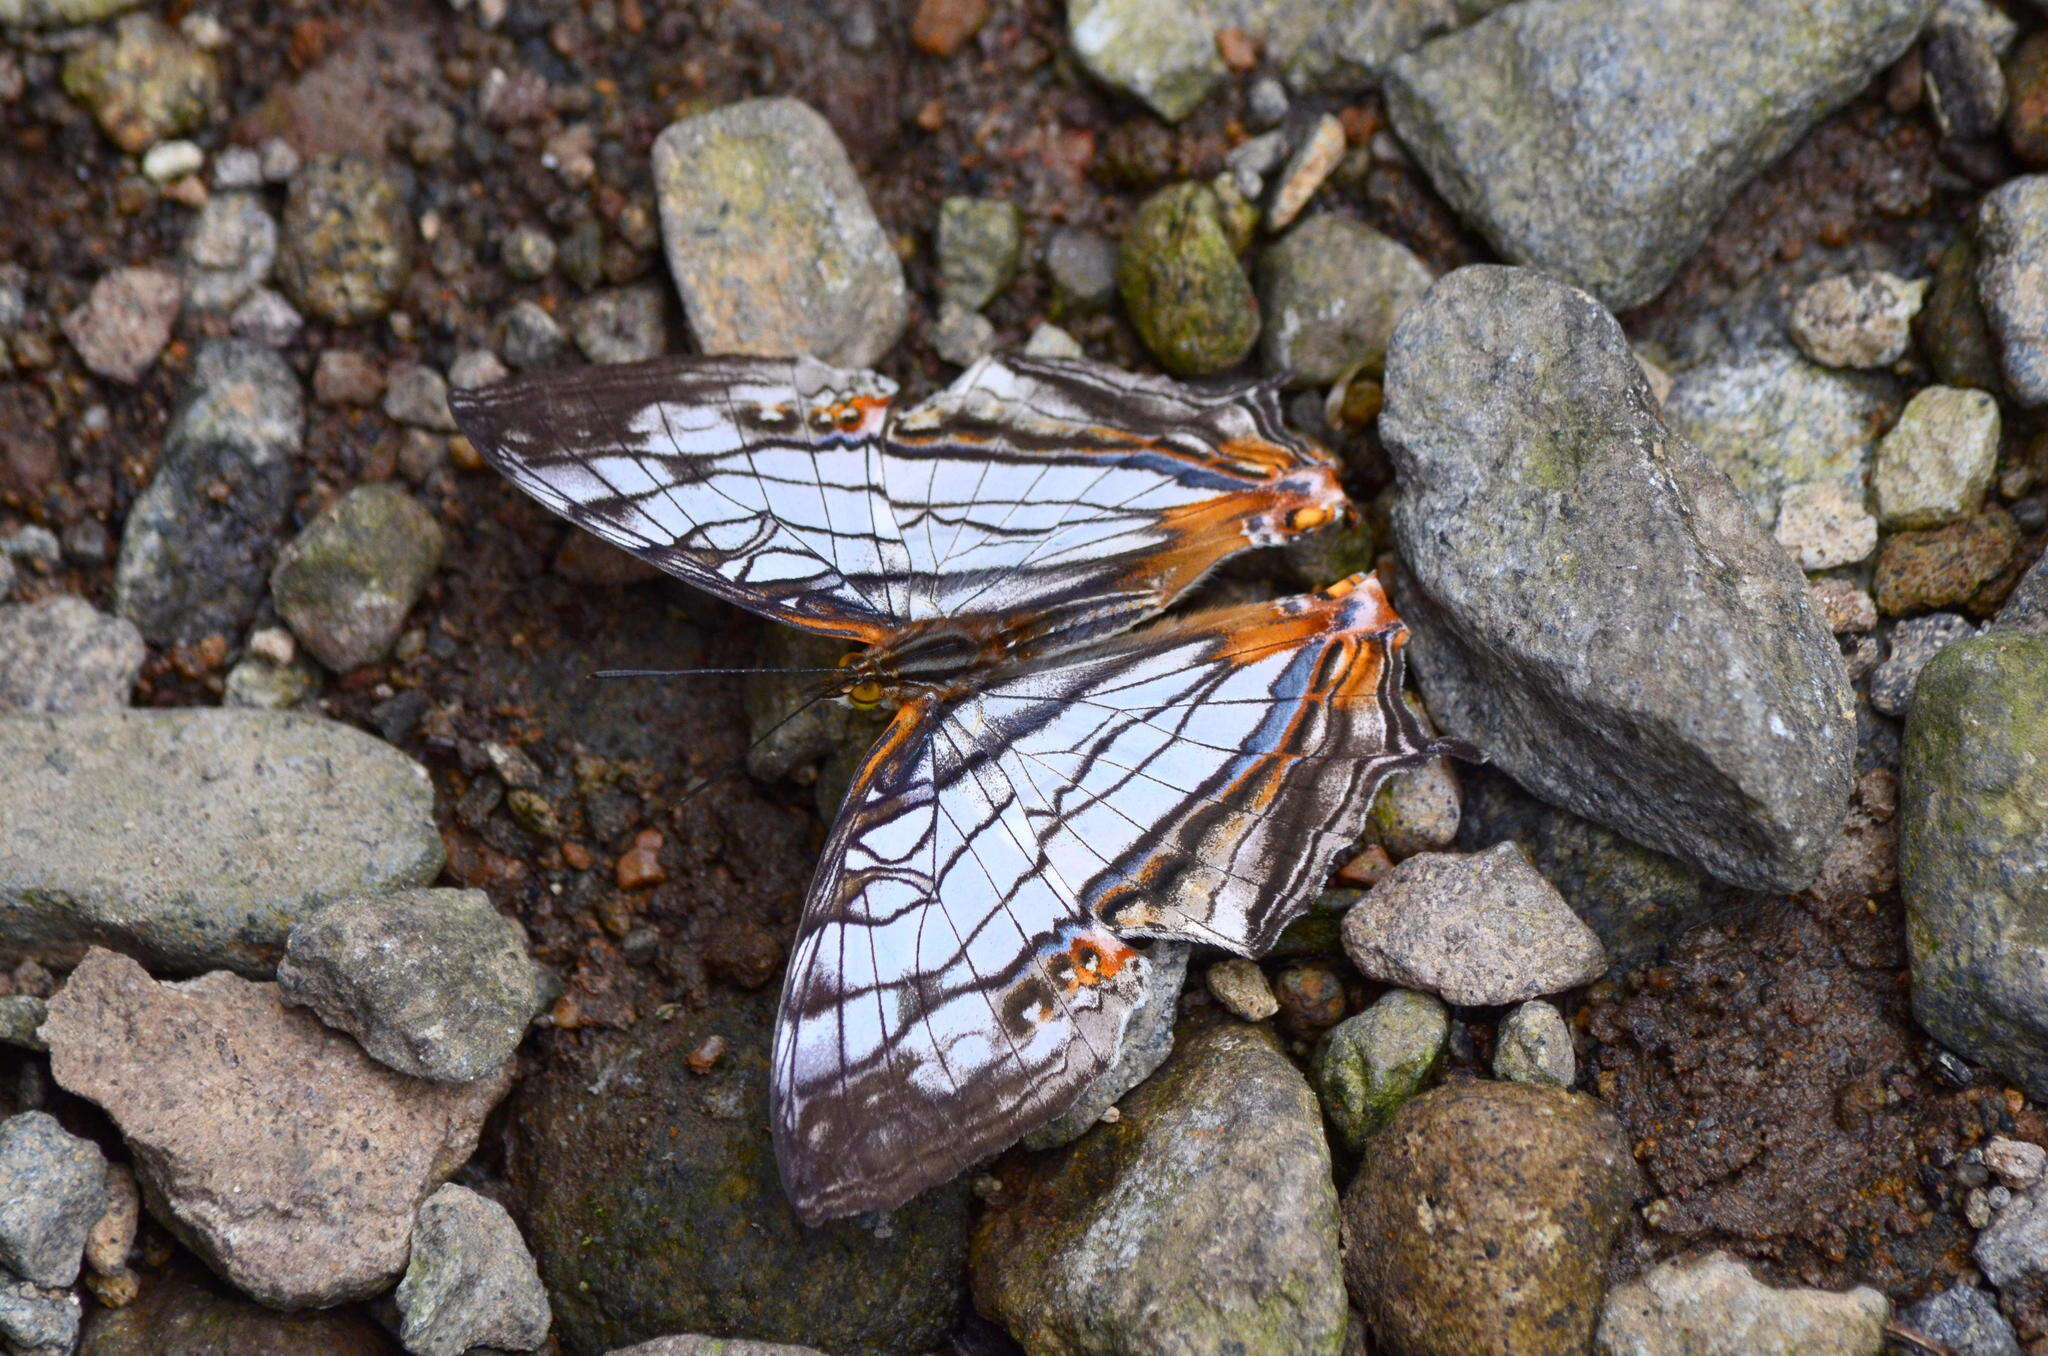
(945,994)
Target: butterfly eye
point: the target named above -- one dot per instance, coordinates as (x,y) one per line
(1309,519)
(849,417)
(866,692)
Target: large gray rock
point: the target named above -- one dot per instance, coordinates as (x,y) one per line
(1702,709)
(346,583)
(289,1160)
(674,1170)
(1713,1306)
(470,1281)
(1481,1220)
(1331,290)
(64,654)
(1138,1237)
(1973,851)
(2012,282)
(196,839)
(433,983)
(198,542)
(53,1186)
(771,239)
(1479,929)
(1599,139)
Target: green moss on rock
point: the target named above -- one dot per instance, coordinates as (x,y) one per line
(1182,285)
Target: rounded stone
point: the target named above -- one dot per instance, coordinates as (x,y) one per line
(346,583)
(1860,319)
(1182,285)
(1331,290)
(1481,1220)
(979,243)
(143,82)
(1937,462)
(1369,1064)
(348,239)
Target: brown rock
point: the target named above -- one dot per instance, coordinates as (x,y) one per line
(344,376)
(126,322)
(275,1148)
(942,27)
(28,442)
(2026,88)
(1944,566)
(1481,1220)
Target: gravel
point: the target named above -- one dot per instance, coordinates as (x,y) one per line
(470,1281)
(53,1186)
(621,324)
(1241,987)
(346,583)
(143,82)
(348,239)
(125,322)
(1963,1318)
(229,252)
(416,394)
(980,241)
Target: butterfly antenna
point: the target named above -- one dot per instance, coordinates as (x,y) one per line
(696,673)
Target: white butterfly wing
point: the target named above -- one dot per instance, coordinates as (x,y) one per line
(958,977)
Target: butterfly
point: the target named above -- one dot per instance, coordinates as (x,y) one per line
(1053,783)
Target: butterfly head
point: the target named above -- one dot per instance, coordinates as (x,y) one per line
(1304,500)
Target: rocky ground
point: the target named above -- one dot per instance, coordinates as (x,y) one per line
(371,979)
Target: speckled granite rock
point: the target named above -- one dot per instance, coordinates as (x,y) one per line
(64,654)
(1713,1306)
(1511,397)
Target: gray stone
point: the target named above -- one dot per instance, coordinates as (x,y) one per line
(35,1321)
(1964,80)
(66,655)
(528,253)
(1331,290)
(1822,525)
(346,583)
(1418,809)
(143,81)
(1148,1040)
(1481,1221)
(699,1208)
(1771,420)
(1050,341)
(195,839)
(1600,139)
(1370,1063)
(256,684)
(416,394)
(1860,319)
(1914,641)
(1936,463)
(125,322)
(193,561)
(348,239)
(1964,1319)
(620,324)
(2016,1162)
(266,318)
(529,337)
(275,1148)
(1082,265)
(20,1016)
(2026,607)
(237,167)
(2012,282)
(2014,1246)
(770,237)
(476,367)
(1713,1306)
(962,337)
(1163,54)
(471,1281)
(1139,1236)
(343,376)
(1534,472)
(229,252)
(1178,273)
(59,13)
(1479,929)
(1241,987)
(53,1186)
(1533,1045)
(980,241)
(1973,852)
(432,983)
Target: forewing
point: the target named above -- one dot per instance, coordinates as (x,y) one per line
(946,992)
(1209,773)
(1086,497)
(757,479)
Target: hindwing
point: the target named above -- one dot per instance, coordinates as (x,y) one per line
(959,977)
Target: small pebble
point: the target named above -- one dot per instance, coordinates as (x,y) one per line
(1050,341)
(125,322)
(531,337)
(417,395)
(266,317)
(640,866)
(238,167)
(1847,608)
(1914,641)
(1241,987)
(476,367)
(1534,1045)
(1310,165)
(1823,525)
(961,336)
(2018,1163)
(280,160)
(168,160)
(1861,319)
(942,27)
(345,376)
(1267,102)
(528,252)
